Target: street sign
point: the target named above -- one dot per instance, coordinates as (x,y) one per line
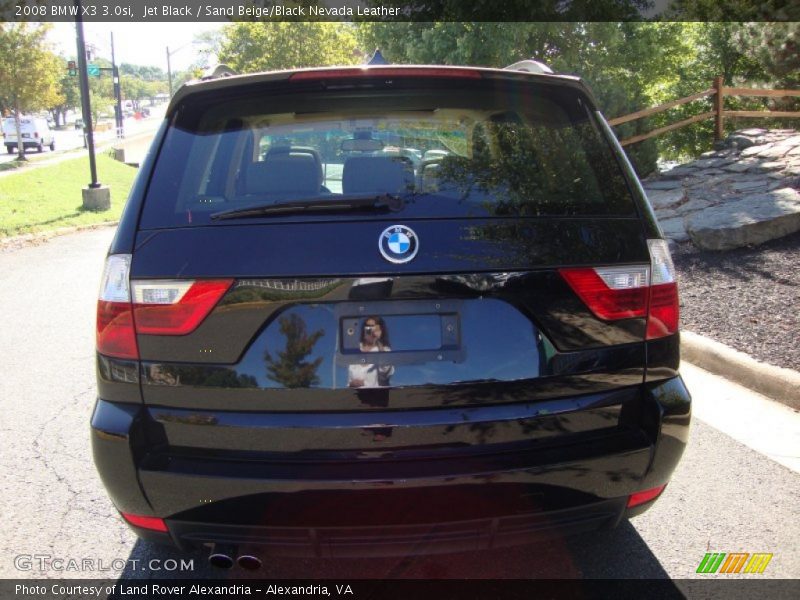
(93,70)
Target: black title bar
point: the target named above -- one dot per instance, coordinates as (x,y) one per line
(147,11)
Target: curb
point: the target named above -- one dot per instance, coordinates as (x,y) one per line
(777,383)
(34,239)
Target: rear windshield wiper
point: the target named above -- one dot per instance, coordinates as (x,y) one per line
(322,204)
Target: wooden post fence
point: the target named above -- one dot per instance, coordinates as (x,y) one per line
(719,113)
(719,108)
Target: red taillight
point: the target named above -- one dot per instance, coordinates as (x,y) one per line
(662,319)
(645,496)
(156,307)
(610,302)
(386,72)
(115,334)
(614,293)
(152,523)
(174,307)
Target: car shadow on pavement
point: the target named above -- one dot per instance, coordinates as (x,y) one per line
(617,554)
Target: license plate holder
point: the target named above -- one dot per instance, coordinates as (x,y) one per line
(419,331)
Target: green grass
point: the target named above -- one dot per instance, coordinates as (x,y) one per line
(37,199)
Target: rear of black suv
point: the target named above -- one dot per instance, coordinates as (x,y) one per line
(386,310)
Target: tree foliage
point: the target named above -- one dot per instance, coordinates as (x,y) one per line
(69,96)
(629,65)
(263,46)
(29,71)
(519,10)
(618,60)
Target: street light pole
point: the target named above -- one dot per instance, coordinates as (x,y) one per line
(86,108)
(117,92)
(169,73)
(169,64)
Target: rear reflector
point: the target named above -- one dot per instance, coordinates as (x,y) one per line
(614,293)
(172,307)
(645,496)
(152,523)
(386,72)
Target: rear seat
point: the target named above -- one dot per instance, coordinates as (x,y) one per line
(377,174)
(284,174)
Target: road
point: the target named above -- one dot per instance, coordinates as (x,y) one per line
(729,494)
(70,139)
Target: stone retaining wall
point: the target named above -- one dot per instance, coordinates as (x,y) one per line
(743,193)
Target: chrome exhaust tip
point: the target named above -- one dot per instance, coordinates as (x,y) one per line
(221,556)
(249,562)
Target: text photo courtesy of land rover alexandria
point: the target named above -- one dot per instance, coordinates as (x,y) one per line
(383,311)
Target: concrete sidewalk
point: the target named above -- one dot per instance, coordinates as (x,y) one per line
(777,383)
(768,427)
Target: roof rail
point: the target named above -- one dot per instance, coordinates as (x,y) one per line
(217,72)
(530,66)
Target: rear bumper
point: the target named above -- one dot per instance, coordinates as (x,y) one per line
(390,505)
(27,142)
(402,540)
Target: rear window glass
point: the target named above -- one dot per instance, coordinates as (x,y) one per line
(494,149)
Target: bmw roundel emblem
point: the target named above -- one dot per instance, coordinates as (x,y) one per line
(398,244)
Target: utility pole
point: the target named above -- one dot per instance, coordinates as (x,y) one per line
(117,92)
(95,196)
(86,107)
(169,73)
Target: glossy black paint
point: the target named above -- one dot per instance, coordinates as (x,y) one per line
(532,417)
(663,357)
(415,433)
(536,461)
(498,345)
(118,445)
(540,301)
(286,248)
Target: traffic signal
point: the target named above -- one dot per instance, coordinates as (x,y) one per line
(72,68)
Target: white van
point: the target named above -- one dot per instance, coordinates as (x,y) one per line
(36,133)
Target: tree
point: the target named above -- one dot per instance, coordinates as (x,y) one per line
(291,369)
(69,94)
(263,46)
(618,60)
(29,72)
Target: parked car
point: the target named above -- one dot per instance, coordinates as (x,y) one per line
(35,131)
(476,351)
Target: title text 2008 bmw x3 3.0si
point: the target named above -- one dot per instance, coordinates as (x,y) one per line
(385,310)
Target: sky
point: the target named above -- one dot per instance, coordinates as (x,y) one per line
(135,43)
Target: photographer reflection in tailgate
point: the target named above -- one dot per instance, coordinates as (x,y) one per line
(374,338)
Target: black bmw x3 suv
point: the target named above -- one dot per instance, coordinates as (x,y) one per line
(385,310)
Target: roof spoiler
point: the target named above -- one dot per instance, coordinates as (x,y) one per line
(530,66)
